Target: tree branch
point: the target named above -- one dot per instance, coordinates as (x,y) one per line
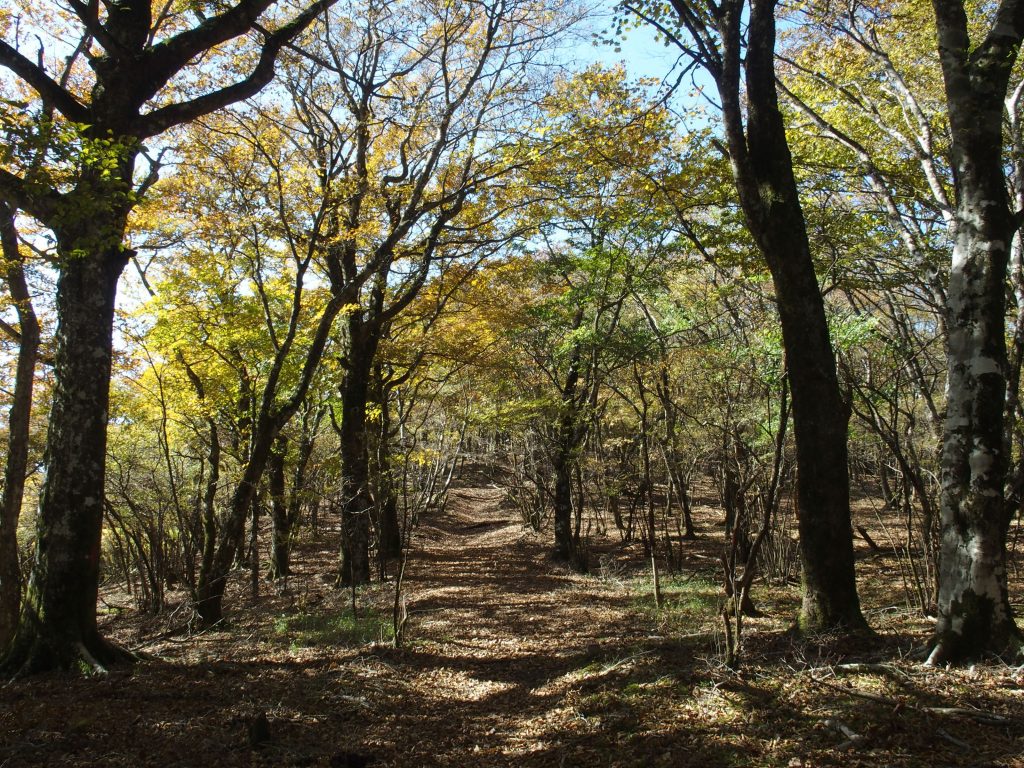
(40,205)
(47,88)
(175,114)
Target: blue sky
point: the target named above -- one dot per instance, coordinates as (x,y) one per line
(641,54)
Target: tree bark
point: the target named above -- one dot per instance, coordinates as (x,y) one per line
(356,501)
(562,502)
(975,616)
(389,529)
(18,429)
(820,416)
(57,628)
(281,523)
(569,434)
(763,171)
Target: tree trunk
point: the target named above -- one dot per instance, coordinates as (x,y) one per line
(214,576)
(57,628)
(974,609)
(280,520)
(562,501)
(210,507)
(255,514)
(18,429)
(389,530)
(763,170)
(357,503)
(569,434)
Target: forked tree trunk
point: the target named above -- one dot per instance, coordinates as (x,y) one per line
(57,628)
(214,576)
(18,429)
(569,433)
(974,609)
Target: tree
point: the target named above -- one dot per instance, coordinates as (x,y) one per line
(942,187)
(101,114)
(18,425)
(245,310)
(713,36)
(603,220)
(974,608)
(411,119)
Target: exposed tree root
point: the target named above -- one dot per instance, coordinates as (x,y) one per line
(950,648)
(92,656)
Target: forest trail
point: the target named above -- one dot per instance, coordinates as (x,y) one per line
(510,660)
(502,639)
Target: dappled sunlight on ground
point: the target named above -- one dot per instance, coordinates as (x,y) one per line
(512,660)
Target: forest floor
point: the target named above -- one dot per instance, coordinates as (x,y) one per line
(510,659)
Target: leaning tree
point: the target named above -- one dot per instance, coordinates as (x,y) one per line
(733,41)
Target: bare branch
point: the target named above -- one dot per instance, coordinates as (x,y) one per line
(47,88)
(175,114)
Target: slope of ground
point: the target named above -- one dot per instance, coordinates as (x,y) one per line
(510,660)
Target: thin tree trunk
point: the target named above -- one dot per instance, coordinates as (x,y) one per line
(389,530)
(213,580)
(568,435)
(18,428)
(562,502)
(280,520)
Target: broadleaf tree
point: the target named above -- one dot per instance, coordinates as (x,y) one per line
(734,43)
(96,81)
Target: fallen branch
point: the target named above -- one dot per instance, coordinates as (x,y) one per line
(953,739)
(860,668)
(978,715)
(853,739)
(870,542)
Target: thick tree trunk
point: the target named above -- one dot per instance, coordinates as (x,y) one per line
(57,628)
(18,430)
(357,503)
(763,170)
(974,609)
(820,420)
(389,528)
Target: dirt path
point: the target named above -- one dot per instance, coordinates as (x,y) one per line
(507,656)
(511,660)
(502,640)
